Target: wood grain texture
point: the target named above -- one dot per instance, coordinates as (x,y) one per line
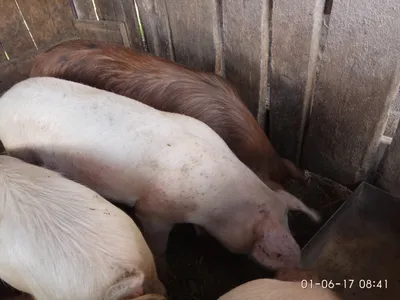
(108,31)
(49,21)
(84,9)
(13,33)
(389,170)
(15,70)
(296,27)
(157,31)
(2,54)
(358,82)
(122,11)
(393,119)
(392,123)
(194,29)
(106,9)
(245,50)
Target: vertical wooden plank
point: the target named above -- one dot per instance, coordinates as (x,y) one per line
(2,54)
(394,118)
(122,11)
(15,70)
(14,35)
(49,21)
(108,31)
(85,9)
(296,27)
(389,170)
(193,24)
(106,9)
(245,48)
(358,82)
(157,31)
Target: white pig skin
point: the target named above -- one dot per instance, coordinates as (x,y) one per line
(59,240)
(173,168)
(271,289)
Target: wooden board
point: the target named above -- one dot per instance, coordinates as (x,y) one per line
(296,28)
(122,11)
(394,118)
(109,31)
(359,243)
(358,81)
(2,54)
(389,170)
(48,21)
(84,9)
(245,50)
(106,9)
(15,70)
(157,31)
(392,123)
(195,27)
(13,33)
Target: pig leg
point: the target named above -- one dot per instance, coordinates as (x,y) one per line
(128,287)
(156,233)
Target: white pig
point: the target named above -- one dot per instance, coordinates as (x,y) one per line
(272,289)
(59,240)
(173,168)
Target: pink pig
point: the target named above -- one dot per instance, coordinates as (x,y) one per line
(171,167)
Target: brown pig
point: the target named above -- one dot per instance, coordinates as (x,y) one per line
(170,87)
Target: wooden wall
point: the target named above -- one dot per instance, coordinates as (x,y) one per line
(325,72)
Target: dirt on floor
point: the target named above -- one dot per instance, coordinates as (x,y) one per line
(201,269)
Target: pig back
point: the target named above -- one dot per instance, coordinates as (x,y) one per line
(60,240)
(118,147)
(170,87)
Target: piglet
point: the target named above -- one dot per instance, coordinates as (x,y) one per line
(271,289)
(60,240)
(171,167)
(170,87)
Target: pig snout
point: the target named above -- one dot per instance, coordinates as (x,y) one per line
(275,251)
(274,246)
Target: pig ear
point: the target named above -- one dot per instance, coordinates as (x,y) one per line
(275,247)
(294,203)
(294,171)
(128,287)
